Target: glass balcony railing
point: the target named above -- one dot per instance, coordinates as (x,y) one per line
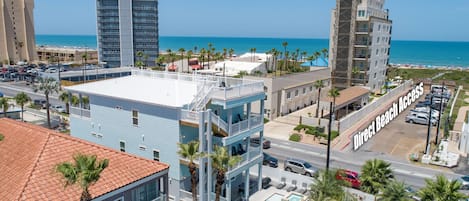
(252,154)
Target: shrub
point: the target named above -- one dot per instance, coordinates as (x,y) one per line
(266,120)
(295,137)
(1,137)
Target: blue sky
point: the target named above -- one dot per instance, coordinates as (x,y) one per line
(412,20)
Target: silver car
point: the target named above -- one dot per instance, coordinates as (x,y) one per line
(300,167)
(419,118)
(58,108)
(464,182)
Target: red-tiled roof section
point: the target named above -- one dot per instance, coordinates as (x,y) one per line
(29,153)
(348,95)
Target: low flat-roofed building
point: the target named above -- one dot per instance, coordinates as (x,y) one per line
(70,55)
(29,155)
(233,68)
(350,99)
(291,92)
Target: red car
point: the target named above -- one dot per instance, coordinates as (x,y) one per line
(350,177)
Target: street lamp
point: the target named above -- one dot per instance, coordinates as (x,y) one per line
(329,136)
(442,98)
(427,145)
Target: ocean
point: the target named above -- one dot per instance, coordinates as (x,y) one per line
(427,53)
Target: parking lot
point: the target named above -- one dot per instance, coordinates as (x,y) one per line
(399,138)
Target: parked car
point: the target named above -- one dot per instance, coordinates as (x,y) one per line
(413,193)
(58,108)
(270,160)
(419,118)
(464,182)
(255,142)
(40,102)
(300,167)
(426,110)
(266,182)
(1,94)
(434,115)
(349,176)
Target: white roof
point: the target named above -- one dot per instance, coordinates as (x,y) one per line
(161,91)
(236,66)
(258,56)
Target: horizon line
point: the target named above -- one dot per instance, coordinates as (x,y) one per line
(259,37)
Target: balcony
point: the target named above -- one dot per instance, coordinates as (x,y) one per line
(248,159)
(80,112)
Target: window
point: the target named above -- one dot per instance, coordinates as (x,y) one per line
(304,90)
(122,146)
(311,88)
(296,92)
(156,155)
(135,117)
(289,95)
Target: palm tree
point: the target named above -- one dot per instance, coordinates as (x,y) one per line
(441,190)
(319,84)
(182,51)
(327,187)
(317,54)
(394,191)
(21,99)
(47,86)
(224,53)
(303,55)
(5,105)
(160,60)
(65,98)
(231,52)
(333,93)
(189,56)
(202,53)
(376,174)
(191,152)
(84,57)
(284,45)
(325,53)
(85,170)
(139,63)
(355,72)
(221,162)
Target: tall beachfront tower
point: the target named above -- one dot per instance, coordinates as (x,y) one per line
(359,43)
(126,27)
(17,42)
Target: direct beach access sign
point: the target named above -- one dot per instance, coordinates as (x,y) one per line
(391,113)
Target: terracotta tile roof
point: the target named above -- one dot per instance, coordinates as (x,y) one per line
(348,95)
(29,153)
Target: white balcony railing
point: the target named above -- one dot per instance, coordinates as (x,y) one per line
(241,126)
(253,153)
(80,112)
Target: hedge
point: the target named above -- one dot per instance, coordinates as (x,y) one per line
(295,137)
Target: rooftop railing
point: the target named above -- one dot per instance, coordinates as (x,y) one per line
(80,112)
(209,87)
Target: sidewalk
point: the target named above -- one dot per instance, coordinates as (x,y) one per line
(281,127)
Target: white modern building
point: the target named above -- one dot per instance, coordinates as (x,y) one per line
(233,68)
(359,43)
(127,114)
(126,27)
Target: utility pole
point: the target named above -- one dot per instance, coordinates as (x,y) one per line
(329,137)
(442,99)
(427,145)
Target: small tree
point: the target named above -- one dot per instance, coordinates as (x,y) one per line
(376,174)
(394,191)
(65,99)
(47,86)
(221,162)
(85,170)
(5,105)
(191,152)
(441,190)
(21,99)
(319,84)
(327,187)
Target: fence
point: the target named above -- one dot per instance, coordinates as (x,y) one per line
(351,119)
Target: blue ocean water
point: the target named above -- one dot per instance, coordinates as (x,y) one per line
(430,53)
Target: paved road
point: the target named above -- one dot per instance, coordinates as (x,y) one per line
(411,174)
(12,88)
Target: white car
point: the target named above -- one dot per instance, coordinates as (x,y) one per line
(425,110)
(464,182)
(58,108)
